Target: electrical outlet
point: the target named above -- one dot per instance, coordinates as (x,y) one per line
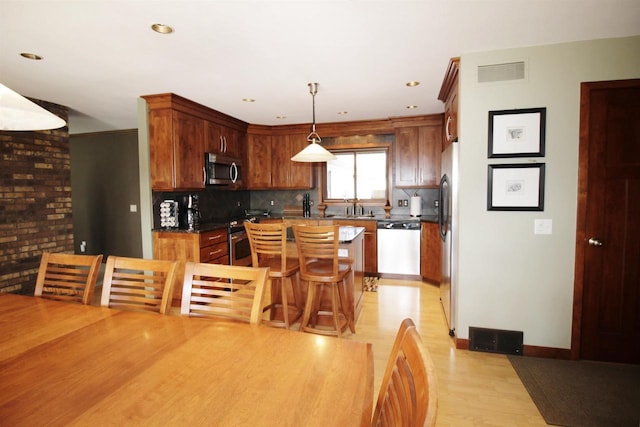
(272,203)
(238,204)
(399,203)
(405,203)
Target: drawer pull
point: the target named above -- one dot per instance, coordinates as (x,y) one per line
(217,237)
(215,252)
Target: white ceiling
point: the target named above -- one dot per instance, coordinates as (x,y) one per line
(100,55)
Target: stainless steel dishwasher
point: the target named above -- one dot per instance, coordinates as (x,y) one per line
(399,247)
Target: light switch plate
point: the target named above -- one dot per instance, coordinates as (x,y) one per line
(542,226)
(133,208)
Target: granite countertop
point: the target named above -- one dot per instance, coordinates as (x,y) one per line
(202,228)
(210,226)
(423,218)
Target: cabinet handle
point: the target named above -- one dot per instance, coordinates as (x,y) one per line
(204,176)
(216,237)
(224,149)
(215,252)
(446,128)
(221,144)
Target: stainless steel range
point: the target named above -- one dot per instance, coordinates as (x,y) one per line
(239,250)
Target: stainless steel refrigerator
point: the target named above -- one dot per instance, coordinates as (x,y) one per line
(448,224)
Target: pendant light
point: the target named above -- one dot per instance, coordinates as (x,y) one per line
(314,152)
(18,113)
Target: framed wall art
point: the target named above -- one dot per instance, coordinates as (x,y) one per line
(517,133)
(516,187)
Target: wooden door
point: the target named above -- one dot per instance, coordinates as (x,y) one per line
(607,310)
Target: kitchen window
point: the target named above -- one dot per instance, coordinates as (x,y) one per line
(357,174)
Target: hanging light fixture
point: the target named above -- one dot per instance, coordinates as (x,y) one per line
(18,113)
(314,152)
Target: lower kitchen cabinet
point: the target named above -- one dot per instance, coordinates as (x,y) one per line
(430,252)
(210,247)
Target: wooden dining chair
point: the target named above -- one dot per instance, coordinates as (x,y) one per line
(321,267)
(268,242)
(408,392)
(138,284)
(68,277)
(217,290)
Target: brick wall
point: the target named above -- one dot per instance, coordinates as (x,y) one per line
(35,201)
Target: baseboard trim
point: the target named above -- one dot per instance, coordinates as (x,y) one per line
(527,350)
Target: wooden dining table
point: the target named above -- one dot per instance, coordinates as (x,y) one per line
(72,364)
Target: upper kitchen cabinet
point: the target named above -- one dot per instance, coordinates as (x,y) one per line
(417,151)
(449,95)
(257,172)
(269,152)
(223,140)
(179,135)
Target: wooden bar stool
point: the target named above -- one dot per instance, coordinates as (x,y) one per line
(268,242)
(320,266)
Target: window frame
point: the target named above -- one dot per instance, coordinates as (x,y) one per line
(346,148)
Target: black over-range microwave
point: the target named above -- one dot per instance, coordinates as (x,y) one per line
(222,170)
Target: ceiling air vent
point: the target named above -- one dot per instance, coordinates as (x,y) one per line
(501,72)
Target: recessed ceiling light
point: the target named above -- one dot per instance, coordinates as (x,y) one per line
(248,100)
(411,107)
(162,28)
(281,117)
(412,83)
(343,112)
(31,56)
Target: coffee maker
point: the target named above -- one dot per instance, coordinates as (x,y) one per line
(190,212)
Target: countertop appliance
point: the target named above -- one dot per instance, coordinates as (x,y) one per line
(169,214)
(448,225)
(399,247)
(191,212)
(221,170)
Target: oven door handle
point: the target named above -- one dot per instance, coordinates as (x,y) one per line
(239,235)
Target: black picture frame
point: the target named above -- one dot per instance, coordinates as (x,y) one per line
(517,133)
(515,187)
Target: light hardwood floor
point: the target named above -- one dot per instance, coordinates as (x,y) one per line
(474,388)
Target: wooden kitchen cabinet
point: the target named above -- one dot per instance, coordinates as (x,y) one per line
(180,132)
(449,95)
(210,247)
(288,174)
(223,140)
(430,252)
(417,153)
(258,169)
(176,149)
(269,160)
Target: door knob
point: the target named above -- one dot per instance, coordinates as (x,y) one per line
(595,242)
